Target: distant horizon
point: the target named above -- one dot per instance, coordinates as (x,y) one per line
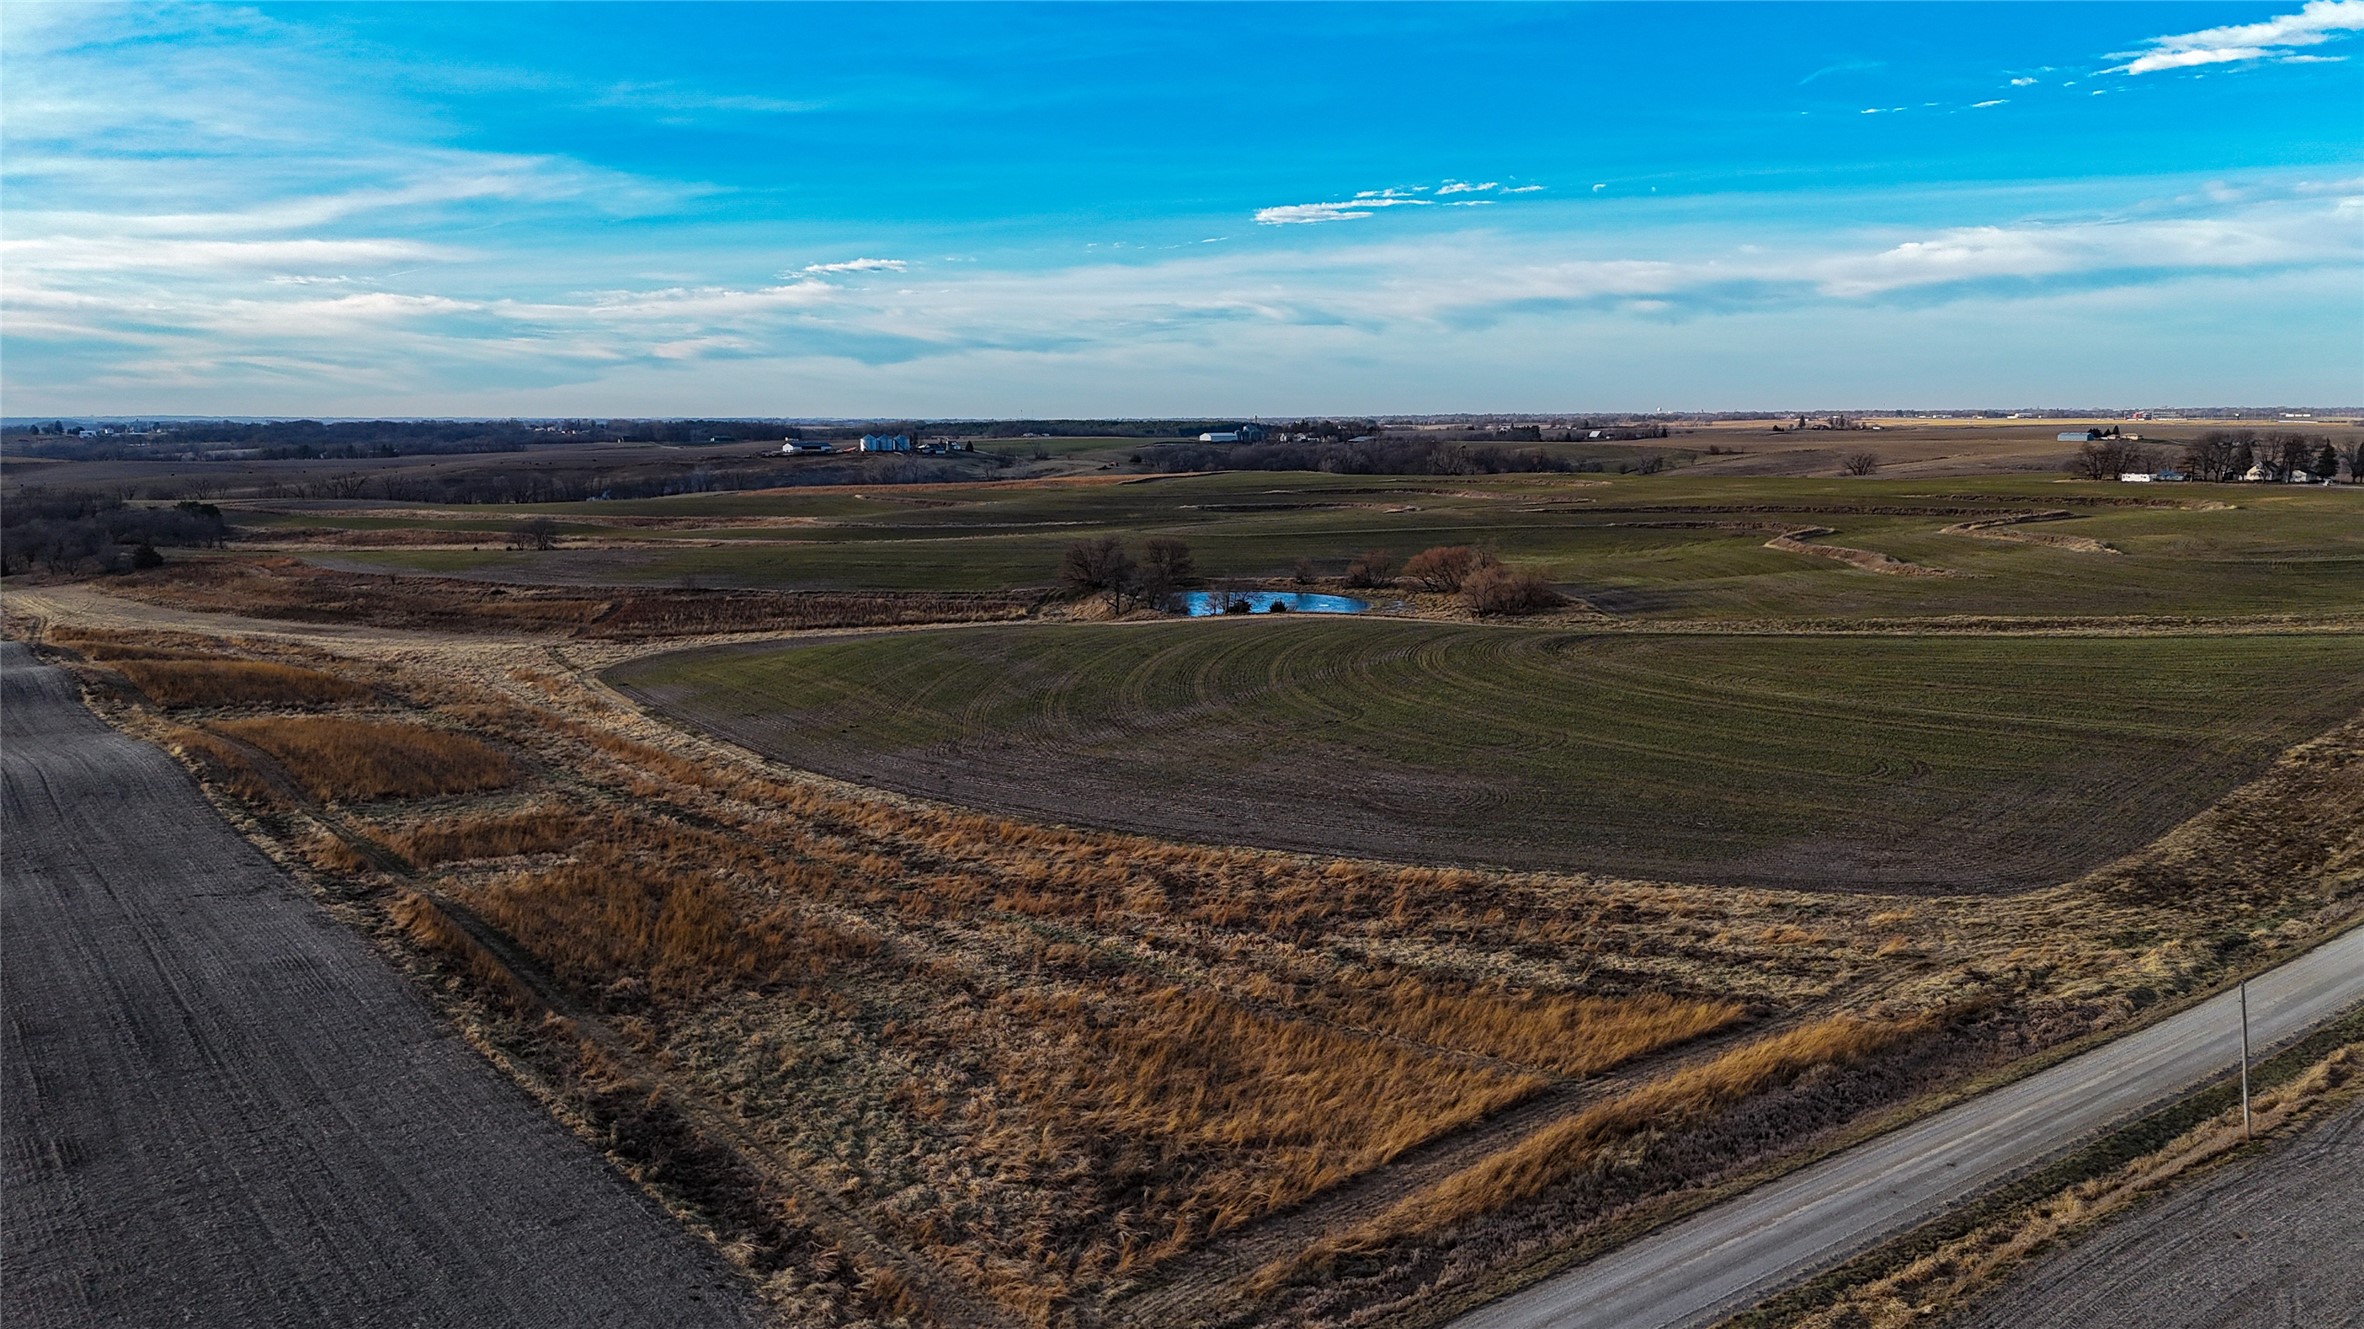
(1056,211)
(2300,410)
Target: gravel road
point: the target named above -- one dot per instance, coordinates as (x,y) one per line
(221,1107)
(2276,1242)
(1728,1257)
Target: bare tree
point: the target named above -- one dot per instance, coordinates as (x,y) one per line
(1166,567)
(1861,463)
(1099,566)
(535,533)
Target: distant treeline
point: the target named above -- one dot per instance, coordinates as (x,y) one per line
(85,533)
(297,440)
(1373,456)
(492,485)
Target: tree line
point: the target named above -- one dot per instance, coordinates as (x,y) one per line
(86,533)
(1368,456)
(2225,454)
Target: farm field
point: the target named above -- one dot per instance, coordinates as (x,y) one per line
(1686,545)
(1252,971)
(912,1063)
(1911,764)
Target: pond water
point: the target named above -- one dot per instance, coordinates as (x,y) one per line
(1204,604)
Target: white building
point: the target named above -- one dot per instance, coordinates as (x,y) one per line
(1226,437)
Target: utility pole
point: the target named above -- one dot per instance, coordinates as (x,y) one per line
(2246,1133)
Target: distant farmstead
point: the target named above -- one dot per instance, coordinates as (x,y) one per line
(1243,434)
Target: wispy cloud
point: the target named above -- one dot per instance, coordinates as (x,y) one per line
(2316,22)
(1991,101)
(1367,202)
(1843,67)
(855,265)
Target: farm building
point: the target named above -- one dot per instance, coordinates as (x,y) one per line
(886,443)
(798,446)
(2079,435)
(1243,434)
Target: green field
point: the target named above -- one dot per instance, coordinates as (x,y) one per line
(1895,763)
(1652,547)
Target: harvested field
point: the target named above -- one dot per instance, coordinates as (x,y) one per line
(1957,764)
(222,1107)
(343,759)
(2272,1239)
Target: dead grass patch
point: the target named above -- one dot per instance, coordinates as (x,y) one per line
(533,830)
(605,917)
(187,682)
(1559,1032)
(337,758)
(1568,1147)
(1252,1113)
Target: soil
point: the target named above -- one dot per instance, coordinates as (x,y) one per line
(2274,1241)
(224,1108)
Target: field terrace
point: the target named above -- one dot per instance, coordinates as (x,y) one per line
(911,1063)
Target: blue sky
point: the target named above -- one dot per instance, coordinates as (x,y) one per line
(1090,209)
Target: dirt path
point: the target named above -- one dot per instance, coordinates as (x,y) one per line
(2274,1241)
(224,1108)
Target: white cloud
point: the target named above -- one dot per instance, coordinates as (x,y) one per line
(1992,101)
(2316,22)
(1298,214)
(1463,187)
(2023,82)
(855,265)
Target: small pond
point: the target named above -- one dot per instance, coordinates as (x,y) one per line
(1204,604)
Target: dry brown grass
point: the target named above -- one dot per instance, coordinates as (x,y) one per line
(1242,1113)
(222,763)
(337,758)
(1567,1147)
(183,682)
(1559,1032)
(533,830)
(605,917)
